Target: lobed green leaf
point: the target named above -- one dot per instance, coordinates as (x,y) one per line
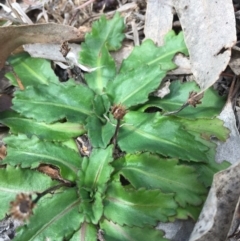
(99,133)
(31,71)
(133,87)
(143,70)
(101,105)
(15,180)
(91,205)
(53,102)
(50,132)
(206,171)
(207,128)
(105,36)
(32,152)
(186,212)
(152,172)
(96,170)
(149,54)
(109,31)
(161,134)
(93,178)
(139,208)
(54,218)
(115,232)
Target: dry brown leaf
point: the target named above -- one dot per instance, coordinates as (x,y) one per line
(15,36)
(194,98)
(50,171)
(3,152)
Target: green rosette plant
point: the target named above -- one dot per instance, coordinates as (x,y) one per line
(143,166)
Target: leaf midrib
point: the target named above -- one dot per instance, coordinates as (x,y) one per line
(34,73)
(69,127)
(173,52)
(81,110)
(2,189)
(139,89)
(124,234)
(182,185)
(55,218)
(150,136)
(100,70)
(127,203)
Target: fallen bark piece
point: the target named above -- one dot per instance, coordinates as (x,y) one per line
(209,48)
(234,232)
(216,216)
(230,149)
(235,60)
(158,21)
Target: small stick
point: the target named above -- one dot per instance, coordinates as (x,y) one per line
(193,99)
(51,189)
(114,138)
(177,111)
(80,7)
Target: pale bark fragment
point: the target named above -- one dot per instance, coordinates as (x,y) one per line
(216,216)
(158,20)
(209,31)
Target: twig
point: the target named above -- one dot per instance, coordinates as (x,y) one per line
(85,4)
(51,189)
(233,89)
(194,99)
(78,9)
(114,138)
(177,111)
